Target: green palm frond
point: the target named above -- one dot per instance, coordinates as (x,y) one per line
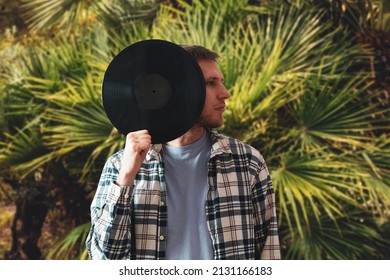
(355,236)
(120,39)
(298,41)
(38,63)
(337,112)
(318,183)
(44,14)
(121,14)
(64,15)
(279,56)
(77,121)
(376,165)
(249,118)
(72,245)
(201,23)
(19,108)
(23,152)
(77,118)
(63,74)
(50,65)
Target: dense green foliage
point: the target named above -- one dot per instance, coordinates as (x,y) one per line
(309,84)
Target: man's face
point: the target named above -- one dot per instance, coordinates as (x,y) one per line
(216,94)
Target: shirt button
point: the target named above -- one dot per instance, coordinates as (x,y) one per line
(162,237)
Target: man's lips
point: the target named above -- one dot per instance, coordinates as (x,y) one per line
(220,108)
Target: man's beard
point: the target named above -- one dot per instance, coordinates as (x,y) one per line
(208,123)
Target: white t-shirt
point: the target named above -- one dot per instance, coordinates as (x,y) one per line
(187,186)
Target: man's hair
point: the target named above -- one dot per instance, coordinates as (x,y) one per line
(201,53)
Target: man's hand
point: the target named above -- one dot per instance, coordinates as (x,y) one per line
(136,148)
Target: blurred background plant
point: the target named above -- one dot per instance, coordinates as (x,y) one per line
(310,89)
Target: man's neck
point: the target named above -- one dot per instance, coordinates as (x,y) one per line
(191,136)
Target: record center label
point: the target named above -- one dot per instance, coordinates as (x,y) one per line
(152,91)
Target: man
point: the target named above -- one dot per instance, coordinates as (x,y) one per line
(200,196)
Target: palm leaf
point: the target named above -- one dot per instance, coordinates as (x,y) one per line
(314,182)
(44,14)
(122,14)
(72,245)
(77,118)
(336,113)
(359,238)
(23,152)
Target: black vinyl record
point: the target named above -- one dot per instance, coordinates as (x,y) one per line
(154,85)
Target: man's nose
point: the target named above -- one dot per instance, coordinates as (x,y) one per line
(225,94)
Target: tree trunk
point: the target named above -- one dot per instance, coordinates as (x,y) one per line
(31,210)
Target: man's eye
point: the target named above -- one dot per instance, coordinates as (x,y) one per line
(210,83)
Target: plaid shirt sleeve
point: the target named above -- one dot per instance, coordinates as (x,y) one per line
(266,227)
(110,236)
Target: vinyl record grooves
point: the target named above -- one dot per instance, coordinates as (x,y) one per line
(154,85)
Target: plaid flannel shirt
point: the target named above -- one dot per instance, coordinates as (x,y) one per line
(131,222)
